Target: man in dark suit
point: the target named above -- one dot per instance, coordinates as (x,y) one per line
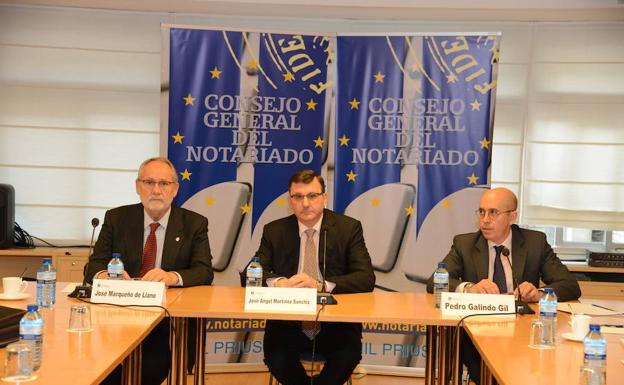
(292,254)
(475,265)
(157,242)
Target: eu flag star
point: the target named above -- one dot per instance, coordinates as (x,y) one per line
(344,141)
(186,175)
(409,211)
(177,138)
(375,202)
(311,104)
(189,100)
(245,209)
(355,104)
(351,176)
(215,73)
(318,142)
(210,201)
(472,179)
(379,77)
(476,106)
(288,77)
(485,143)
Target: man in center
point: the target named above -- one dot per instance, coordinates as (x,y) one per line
(314,248)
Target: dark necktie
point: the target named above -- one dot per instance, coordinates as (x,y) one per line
(149,251)
(499,271)
(310,267)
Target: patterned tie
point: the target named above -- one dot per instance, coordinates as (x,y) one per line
(499,271)
(149,251)
(310,267)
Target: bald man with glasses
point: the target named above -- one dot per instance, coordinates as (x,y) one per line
(476,263)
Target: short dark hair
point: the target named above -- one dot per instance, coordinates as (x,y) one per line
(306,176)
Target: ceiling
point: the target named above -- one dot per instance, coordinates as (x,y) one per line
(477,10)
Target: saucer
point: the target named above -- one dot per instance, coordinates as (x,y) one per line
(14,297)
(570,336)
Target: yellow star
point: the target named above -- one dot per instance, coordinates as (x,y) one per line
(344,141)
(311,104)
(351,176)
(485,143)
(375,202)
(354,104)
(409,210)
(189,100)
(476,106)
(281,202)
(446,204)
(186,175)
(245,209)
(472,179)
(177,138)
(288,77)
(210,201)
(318,142)
(252,64)
(215,73)
(379,77)
(451,78)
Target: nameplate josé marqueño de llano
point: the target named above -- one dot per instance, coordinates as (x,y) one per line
(280,300)
(128,292)
(463,304)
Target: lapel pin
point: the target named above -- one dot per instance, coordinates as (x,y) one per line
(177,239)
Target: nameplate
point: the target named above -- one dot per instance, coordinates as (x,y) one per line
(128,292)
(280,300)
(462,304)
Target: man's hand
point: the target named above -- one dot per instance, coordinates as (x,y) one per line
(528,292)
(485,286)
(297,280)
(159,275)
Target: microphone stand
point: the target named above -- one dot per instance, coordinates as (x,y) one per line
(325,298)
(84,290)
(521,306)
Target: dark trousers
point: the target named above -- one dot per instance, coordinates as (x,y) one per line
(469,356)
(339,343)
(156,357)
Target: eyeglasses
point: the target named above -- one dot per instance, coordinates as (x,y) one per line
(492,213)
(311,196)
(150,183)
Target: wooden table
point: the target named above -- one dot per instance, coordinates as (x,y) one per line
(203,302)
(504,348)
(68,262)
(87,358)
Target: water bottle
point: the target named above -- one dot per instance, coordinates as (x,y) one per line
(31,332)
(548,316)
(440,282)
(115,267)
(594,370)
(46,284)
(254,273)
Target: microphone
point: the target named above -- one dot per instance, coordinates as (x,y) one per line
(325,298)
(84,290)
(521,306)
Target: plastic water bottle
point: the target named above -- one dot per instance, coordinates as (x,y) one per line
(548,316)
(115,267)
(595,357)
(440,282)
(254,273)
(46,284)
(31,332)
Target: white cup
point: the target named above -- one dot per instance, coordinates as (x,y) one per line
(13,286)
(580,325)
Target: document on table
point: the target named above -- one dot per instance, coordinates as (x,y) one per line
(585,308)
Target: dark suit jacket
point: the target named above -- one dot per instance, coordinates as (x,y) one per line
(532,259)
(186,249)
(348,263)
